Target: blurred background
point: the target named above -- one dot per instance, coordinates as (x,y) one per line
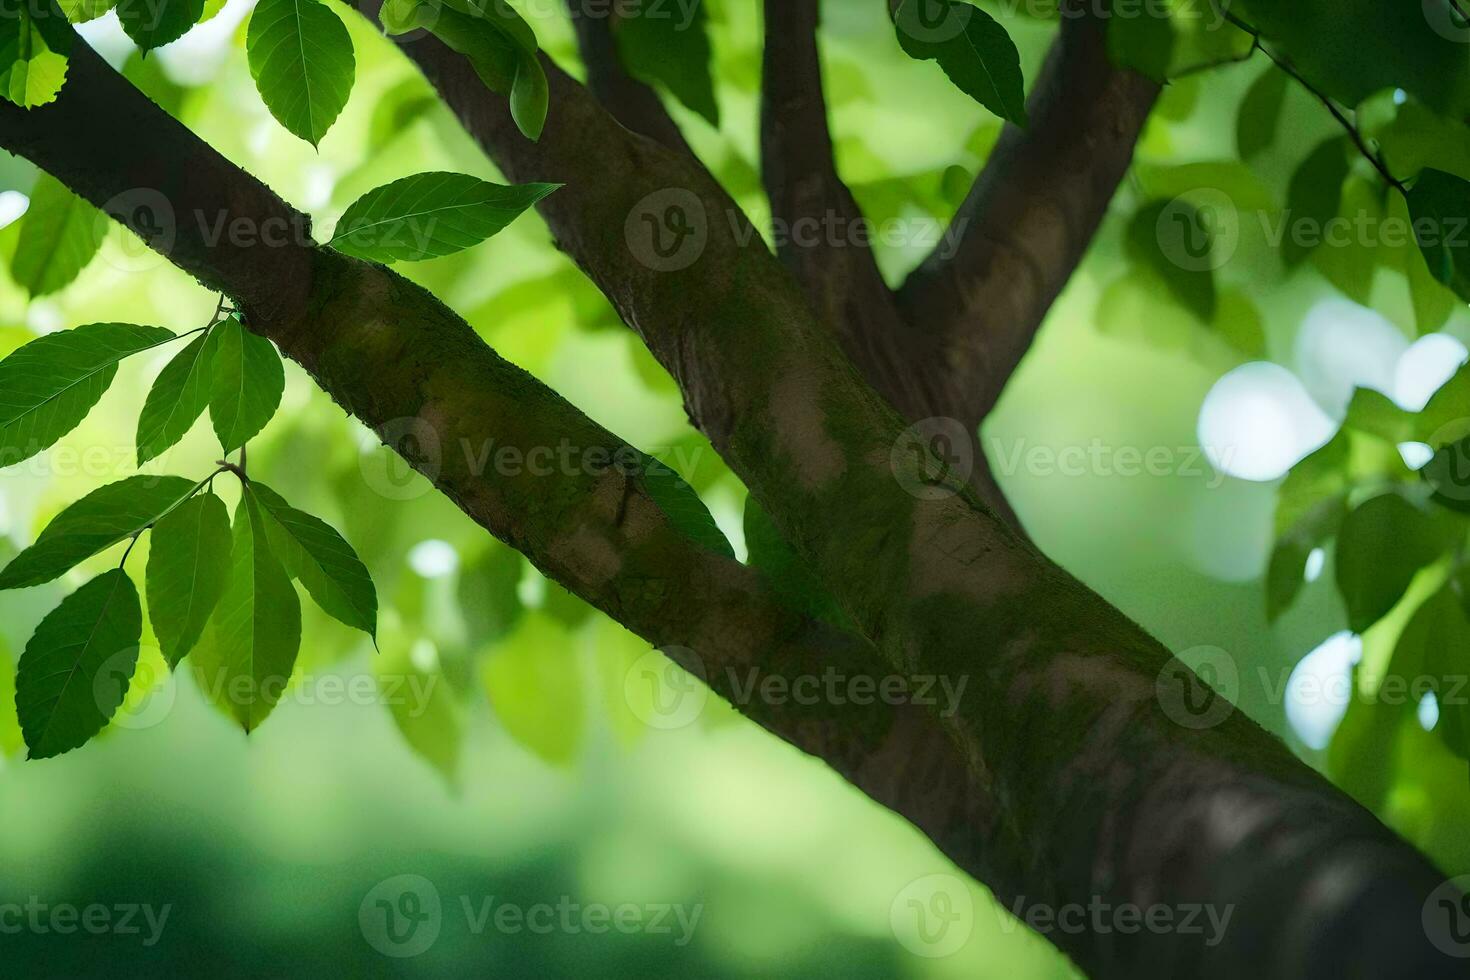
(500,749)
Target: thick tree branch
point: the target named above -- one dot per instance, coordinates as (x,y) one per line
(1029,217)
(823,237)
(631,102)
(394,356)
(1104,797)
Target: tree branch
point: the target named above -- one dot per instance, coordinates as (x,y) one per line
(1103,796)
(823,237)
(1029,217)
(394,356)
(631,102)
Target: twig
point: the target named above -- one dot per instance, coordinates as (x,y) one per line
(1352,130)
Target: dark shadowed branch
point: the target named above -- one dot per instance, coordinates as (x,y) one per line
(1029,218)
(631,102)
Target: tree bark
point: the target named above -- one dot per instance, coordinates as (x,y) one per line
(1079,785)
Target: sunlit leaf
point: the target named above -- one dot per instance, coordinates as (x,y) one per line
(178,397)
(302,61)
(60,235)
(188,565)
(35,44)
(255,632)
(248,382)
(431,214)
(99,520)
(321,559)
(49,385)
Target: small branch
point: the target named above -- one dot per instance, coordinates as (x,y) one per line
(1221,62)
(1028,220)
(633,103)
(1359,141)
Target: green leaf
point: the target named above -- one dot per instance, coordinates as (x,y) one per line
(49,385)
(534,684)
(302,61)
(60,234)
(81,11)
(667,45)
(154,23)
(76,668)
(530,96)
(1175,240)
(313,552)
(1321,474)
(1435,646)
(1446,417)
(1381,547)
(1448,475)
(429,215)
(178,397)
(1351,49)
(794,581)
(1260,113)
(1144,43)
(500,46)
(1439,203)
(975,52)
(255,631)
(188,566)
(99,520)
(1286,572)
(684,509)
(1313,198)
(248,382)
(35,43)
(1431,300)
